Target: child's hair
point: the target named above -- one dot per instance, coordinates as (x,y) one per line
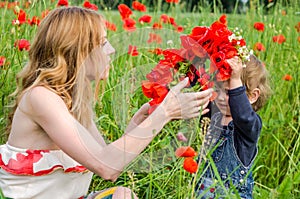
(64,40)
(255,75)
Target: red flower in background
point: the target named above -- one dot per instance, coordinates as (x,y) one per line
(145,19)
(259,26)
(22,44)
(2,60)
(157,51)
(129,24)
(45,13)
(166,19)
(259,47)
(90,5)
(157,25)
(190,165)
(279,39)
(139,6)
(172,1)
(178,28)
(110,26)
(124,11)
(34,21)
(185,151)
(132,50)
(62,3)
(154,38)
(287,77)
(21,17)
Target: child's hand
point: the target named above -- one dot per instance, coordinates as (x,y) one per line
(237,68)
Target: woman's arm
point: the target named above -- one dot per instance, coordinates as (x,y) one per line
(50,112)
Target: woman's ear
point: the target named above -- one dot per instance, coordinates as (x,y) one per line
(253,95)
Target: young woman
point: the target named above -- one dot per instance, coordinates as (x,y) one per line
(54,146)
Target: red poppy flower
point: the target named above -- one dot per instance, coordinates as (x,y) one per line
(223,20)
(34,21)
(138,6)
(190,165)
(259,26)
(12,5)
(2,60)
(154,38)
(22,44)
(166,19)
(178,28)
(185,151)
(279,39)
(287,77)
(173,56)
(145,19)
(45,13)
(90,5)
(155,91)
(161,74)
(157,51)
(62,3)
(298,39)
(204,37)
(132,50)
(205,82)
(124,11)
(172,1)
(259,47)
(157,25)
(21,17)
(192,45)
(129,24)
(110,26)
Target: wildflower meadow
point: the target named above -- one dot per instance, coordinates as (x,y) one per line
(140,31)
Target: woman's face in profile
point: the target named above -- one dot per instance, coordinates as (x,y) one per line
(100,57)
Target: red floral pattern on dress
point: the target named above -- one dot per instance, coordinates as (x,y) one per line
(22,163)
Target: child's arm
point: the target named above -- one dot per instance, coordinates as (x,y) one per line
(246,122)
(243,115)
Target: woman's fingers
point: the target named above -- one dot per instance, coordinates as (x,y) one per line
(176,89)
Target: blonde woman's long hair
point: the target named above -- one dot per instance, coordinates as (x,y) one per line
(64,40)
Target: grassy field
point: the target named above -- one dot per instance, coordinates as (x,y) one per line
(157,173)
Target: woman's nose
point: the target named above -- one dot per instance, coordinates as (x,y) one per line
(108,48)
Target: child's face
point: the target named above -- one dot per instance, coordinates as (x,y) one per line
(222,98)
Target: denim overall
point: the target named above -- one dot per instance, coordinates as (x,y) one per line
(236,178)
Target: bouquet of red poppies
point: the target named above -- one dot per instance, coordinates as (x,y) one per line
(215,43)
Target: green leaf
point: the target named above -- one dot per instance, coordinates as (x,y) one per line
(296,178)
(286,186)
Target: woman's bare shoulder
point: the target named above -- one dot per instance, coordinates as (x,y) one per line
(40,98)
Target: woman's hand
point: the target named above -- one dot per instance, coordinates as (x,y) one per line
(178,105)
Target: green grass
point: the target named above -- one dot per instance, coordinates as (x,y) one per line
(157,173)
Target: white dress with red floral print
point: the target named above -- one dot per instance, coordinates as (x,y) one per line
(41,174)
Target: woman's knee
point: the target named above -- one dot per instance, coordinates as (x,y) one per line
(124,193)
